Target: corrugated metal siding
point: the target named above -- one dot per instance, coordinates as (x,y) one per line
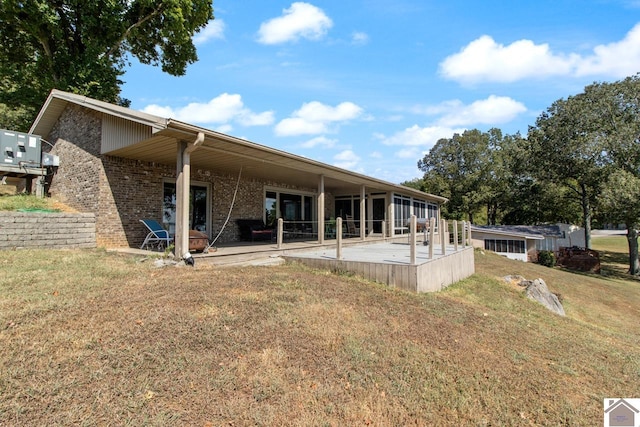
(119,133)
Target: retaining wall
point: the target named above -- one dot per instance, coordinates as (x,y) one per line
(47,230)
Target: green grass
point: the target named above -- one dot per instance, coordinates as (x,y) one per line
(24,202)
(94,338)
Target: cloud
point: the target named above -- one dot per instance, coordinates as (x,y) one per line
(213,30)
(485,60)
(315,118)
(222,109)
(359,38)
(320,141)
(619,59)
(409,153)
(346,159)
(301,20)
(491,111)
(417,136)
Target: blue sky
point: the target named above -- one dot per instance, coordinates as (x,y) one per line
(371,85)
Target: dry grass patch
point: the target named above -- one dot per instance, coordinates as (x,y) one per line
(91,338)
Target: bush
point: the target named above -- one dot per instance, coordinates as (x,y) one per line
(546,258)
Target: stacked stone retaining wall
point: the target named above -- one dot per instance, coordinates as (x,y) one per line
(47,230)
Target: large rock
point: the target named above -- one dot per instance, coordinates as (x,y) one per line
(538,291)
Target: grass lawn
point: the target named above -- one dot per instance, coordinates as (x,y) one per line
(94,338)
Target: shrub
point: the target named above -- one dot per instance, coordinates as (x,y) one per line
(546,258)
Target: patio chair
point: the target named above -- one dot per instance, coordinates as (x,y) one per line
(157,234)
(352,230)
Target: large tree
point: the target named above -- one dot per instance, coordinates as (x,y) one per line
(567,149)
(618,118)
(84,46)
(458,168)
(620,202)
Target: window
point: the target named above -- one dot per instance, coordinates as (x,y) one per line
(198,207)
(292,207)
(404,207)
(349,205)
(505,246)
(401,212)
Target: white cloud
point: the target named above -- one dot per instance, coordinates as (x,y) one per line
(320,141)
(408,153)
(213,30)
(301,20)
(491,111)
(485,60)
(417,136)
(224,129)
(222,109)
(346,159)
(315,118)
(359,38)
(619,59)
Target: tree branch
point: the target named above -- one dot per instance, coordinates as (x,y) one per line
(133,26)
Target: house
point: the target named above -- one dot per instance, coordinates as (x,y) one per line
(620,413)
(514,242)
(523,242)
(125,165)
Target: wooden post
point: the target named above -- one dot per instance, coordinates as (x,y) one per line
(455,235)
(412,239)
(183,184)
(363,205)
(443,236)
(280,232)
(321,210)
(432,225)
(464,234)
(339,238)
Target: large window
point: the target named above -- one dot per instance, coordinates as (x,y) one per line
(404,207)
(401,212)
(505,246)
(291,207)
(199,204)
(348,205)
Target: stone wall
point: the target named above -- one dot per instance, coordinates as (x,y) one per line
(47,230)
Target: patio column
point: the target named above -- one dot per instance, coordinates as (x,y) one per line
(183,183)
(321,209)
(363,210)
(391,215)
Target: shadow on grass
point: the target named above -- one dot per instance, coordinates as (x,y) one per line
(615,265)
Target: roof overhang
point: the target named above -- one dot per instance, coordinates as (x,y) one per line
(219,152)
(507,233)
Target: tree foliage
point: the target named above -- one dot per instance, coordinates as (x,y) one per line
(84,47)
(620,202)
(580,159)
(456,168)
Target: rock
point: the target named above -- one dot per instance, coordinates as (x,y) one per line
(516,279)
(538,291)
(162,262)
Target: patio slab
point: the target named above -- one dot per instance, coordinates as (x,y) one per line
(390,263)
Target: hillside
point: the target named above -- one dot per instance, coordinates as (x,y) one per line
(91,338)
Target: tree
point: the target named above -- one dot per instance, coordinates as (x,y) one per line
(457,168)
(83,47)
(620,200)
(567,148)
(618,119)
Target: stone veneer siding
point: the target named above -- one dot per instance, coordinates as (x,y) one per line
(122,191)
(47,230)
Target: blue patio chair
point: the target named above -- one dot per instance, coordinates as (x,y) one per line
(157,234)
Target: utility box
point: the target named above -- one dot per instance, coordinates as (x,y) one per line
(20,149)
